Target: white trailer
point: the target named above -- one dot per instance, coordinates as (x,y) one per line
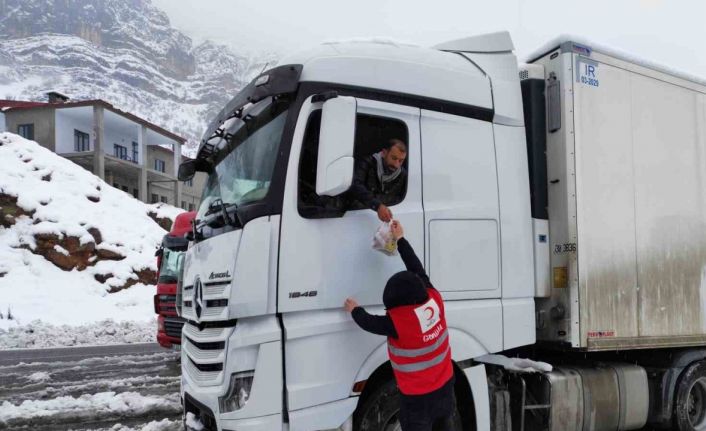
(557,207)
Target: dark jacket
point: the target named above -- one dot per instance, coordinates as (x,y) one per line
(368,192)
(404,288)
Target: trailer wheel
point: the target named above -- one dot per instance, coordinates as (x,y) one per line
(690,400)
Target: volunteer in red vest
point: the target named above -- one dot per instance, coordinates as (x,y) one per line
(417,342)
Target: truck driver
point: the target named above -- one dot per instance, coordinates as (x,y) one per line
(380,179)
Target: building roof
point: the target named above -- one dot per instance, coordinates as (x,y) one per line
(15,105)
(6,104)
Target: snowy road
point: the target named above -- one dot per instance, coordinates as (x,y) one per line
(117,388)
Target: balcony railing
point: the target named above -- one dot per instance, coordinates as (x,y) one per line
(126,158)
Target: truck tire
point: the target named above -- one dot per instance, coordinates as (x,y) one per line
(381,410)
(690,399)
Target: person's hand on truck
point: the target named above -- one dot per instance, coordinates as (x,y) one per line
(350,304)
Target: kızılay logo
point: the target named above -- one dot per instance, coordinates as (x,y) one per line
(215,275)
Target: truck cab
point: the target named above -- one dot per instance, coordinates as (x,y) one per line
(278,245)
(170,257)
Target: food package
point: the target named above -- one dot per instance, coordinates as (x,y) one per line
(383,241)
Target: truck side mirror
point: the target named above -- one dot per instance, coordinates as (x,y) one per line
(334,172)
(187,170)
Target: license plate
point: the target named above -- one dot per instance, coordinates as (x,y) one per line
(176,347)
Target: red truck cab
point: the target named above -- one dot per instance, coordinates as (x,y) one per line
(169,259)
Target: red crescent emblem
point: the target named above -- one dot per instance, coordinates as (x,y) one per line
(431,312)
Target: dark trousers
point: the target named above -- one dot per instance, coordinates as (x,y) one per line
(429,412)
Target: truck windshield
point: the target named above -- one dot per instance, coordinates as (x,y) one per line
(169,271)
(246,152)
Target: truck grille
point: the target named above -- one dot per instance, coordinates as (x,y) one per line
(166,305)
(206,351)
(172,326)
(215,288)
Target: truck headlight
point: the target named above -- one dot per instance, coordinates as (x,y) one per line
(238,392)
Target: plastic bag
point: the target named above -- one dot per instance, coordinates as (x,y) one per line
(383,241)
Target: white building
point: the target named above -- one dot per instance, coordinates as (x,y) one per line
(126,151)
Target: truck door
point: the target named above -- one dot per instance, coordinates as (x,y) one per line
(326,255)
(460,191)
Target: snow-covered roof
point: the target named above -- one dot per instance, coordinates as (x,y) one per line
(574,43)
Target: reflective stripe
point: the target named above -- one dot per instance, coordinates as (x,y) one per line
(411,353)
(420,366)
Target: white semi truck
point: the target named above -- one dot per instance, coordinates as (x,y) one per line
(558,206)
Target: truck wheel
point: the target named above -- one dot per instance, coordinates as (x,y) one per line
(690,400)
(380,411)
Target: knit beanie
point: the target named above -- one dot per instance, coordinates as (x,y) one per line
(404,288)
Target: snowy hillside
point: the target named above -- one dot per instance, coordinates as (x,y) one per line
(73,250)
(122,51)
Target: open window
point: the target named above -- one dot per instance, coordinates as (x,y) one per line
(372,135)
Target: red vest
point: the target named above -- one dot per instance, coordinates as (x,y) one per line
(420,355)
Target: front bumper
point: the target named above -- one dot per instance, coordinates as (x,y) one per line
(208,419)
(211,356)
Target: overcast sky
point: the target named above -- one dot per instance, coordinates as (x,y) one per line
(672,32)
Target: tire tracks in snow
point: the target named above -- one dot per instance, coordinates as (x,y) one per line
(118,393)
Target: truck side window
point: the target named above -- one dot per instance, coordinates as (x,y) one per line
(372,132)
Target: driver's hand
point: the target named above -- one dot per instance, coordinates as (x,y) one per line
(350,304)
(384,213)
(396,230)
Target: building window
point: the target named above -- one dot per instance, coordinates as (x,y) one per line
(163,199)
(26,131)
(135,193)
(189,183)
(120,152)
(183,204)
(81,142)
(154,199)
(159,165)
(125,189)
(116,185)
(191,207)
(135,155)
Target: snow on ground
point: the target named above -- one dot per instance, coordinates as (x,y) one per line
(163,425)
(67,201)
(40,376)
(38,334)
(162,210)
(89,406)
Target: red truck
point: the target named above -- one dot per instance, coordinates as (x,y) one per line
(169,258)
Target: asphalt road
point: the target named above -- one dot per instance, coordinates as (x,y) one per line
(90,388)
(104,388)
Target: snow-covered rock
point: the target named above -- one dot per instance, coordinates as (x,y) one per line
(67,240)
(122,51)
